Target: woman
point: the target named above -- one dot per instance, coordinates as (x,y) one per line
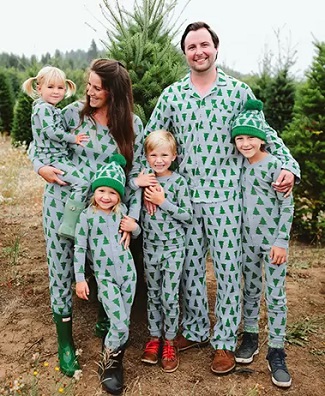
(107,118)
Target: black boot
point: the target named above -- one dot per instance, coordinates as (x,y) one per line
(111,370)
(248,348)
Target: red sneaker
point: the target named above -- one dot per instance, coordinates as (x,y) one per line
(169,360)
(151,351)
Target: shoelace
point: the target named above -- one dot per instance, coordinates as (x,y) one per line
(221,352)
(152,346)
(169,351)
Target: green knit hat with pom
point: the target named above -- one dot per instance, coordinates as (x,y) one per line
(250,121)
(111,175)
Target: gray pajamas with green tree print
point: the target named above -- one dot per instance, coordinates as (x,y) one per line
(88,160)
(212,166)
(113,266)
(267,220)
(51,146)
(164,254)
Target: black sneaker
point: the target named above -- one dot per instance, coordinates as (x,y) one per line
(277,366)
(248,348)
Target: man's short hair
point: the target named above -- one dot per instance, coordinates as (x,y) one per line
(192,27)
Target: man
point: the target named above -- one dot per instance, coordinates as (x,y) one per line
(199,110)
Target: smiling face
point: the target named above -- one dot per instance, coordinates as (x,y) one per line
(106,198)
(250,147)
(200,51)
(97,94)
(160,158)
(52,91)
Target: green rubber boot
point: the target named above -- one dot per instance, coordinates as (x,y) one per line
(71,215)
(66,350)
(103,323)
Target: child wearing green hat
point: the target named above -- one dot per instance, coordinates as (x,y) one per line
(267,220)
(99,227)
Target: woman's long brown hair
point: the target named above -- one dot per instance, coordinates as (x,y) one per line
(116,81)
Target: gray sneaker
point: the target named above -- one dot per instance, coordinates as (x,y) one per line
(248,348)
(277,366)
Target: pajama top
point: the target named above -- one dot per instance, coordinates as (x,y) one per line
(207,158)
(95,153)
(99,232)
(49,136)
(267,215)
(167,224)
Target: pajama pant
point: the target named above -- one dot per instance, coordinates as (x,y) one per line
(59,253)
(116,293)
(216,226)
(275,293)
(163,267)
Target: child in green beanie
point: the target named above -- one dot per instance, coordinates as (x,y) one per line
(99,227)
(267,220)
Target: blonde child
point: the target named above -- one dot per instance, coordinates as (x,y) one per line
(267,219)
(99,228)
(163,247)
(51,141)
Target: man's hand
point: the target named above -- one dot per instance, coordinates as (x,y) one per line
(50,174)
(284,183)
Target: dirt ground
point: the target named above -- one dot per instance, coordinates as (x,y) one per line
(27,337)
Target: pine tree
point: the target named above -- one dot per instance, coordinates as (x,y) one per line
(306,139)
(142,41)
(6,101)
(21,128)
(279,100)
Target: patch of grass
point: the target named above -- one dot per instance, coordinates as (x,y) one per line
(305,256)
(255,391)
(40,375)
(11,254)
(298,332)
(15,170)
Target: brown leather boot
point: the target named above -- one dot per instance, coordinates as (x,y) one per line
(223,362)
(183,343)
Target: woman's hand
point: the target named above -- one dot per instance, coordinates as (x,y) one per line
(126,239)
(278,255)
(50,174)
(154,194)
(82,290)
(128,224)
(145,179)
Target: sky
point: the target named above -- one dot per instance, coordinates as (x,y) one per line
(246,29)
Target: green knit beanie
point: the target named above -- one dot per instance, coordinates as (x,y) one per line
(250,121)
(111,175)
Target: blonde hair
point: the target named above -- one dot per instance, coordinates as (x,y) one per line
(160,138)
(48,74)
(115,209)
